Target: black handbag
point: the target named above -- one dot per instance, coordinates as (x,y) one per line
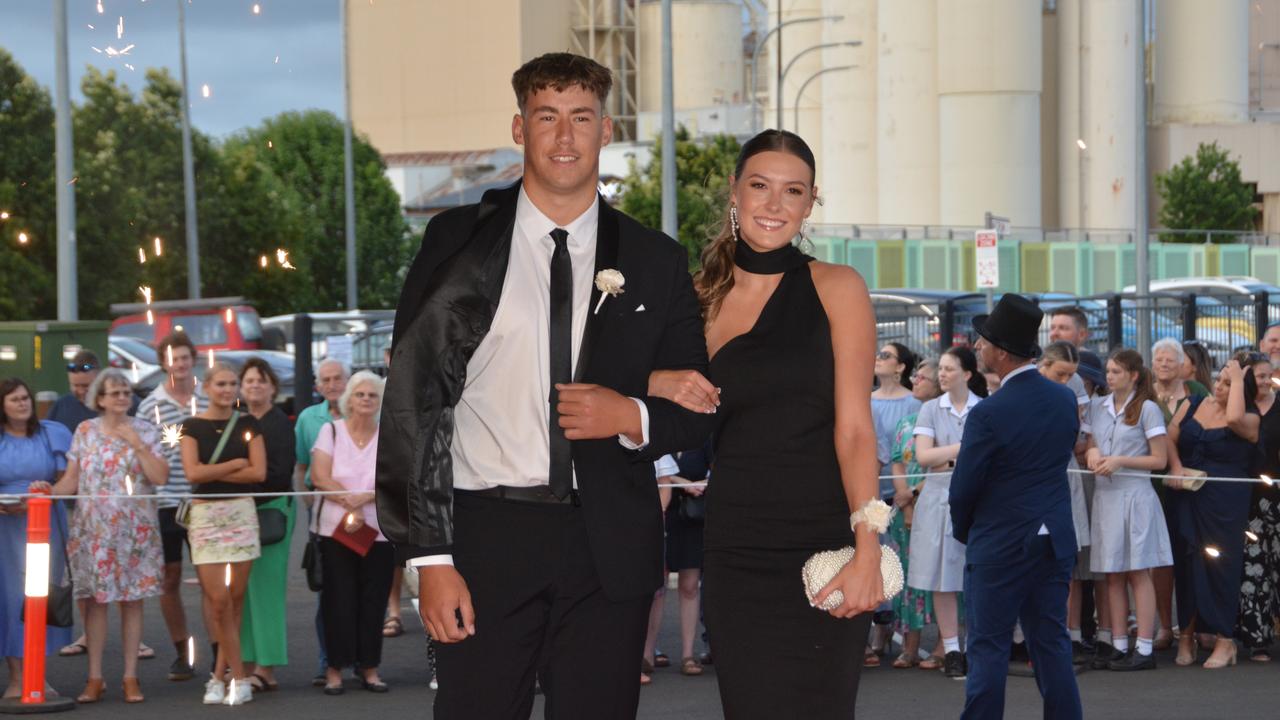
(60,605)
(311,556)
(693,509)
(273,525)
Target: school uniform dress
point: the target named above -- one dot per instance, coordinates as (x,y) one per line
(1079,505)
(936,558)
(1128,530)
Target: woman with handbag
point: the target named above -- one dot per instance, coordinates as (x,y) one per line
(264,642)
(114,543)
(223,454)
(1218,436)
(31,451)
(357,560)
(685,517)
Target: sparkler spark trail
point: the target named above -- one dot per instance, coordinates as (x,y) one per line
(1212,551)
(151,319)
(257,9)
(128,485)
(4,214)
(227,580)
(211,361)
(191,651)
(142,256)
(248,436)
(171,435)
(120,29)
(22,238)
(135,375)
(193,405)
(282,257)
(204,89)
(100,11)
(277,60)
(1248,534)
(157,408)
(227,315)
(168,355)
(159,246)
(263,261)
(146,293)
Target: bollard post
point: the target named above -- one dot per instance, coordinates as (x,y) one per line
(36,589)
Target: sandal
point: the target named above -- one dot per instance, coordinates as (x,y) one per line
(73,649)
(646,667)
(1260,655)
(392,627)
(261,684)
(660,660)
(871,659)
(933,662)
(92,692)
(689,667)
(645,680)
(146,652)
(133,691)
(906,660)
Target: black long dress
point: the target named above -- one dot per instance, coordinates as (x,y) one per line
(1208,588)
(777,498)
(1260,586)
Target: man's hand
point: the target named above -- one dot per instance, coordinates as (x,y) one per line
(442,597)
(593,412)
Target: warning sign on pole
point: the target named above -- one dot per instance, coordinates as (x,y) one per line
(987,257)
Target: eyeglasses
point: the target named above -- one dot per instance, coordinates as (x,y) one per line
(921,376)
(886,355)
(81,367)
(364,396)
(115,393)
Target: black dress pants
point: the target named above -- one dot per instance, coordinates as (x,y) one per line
(540,612)
(353,602)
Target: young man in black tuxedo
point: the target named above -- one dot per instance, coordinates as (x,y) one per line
(517,436)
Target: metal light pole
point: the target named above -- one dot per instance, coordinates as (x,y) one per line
(348,169)
(755,60)
(68,304)
(805,85)
(797,56)
(669,220)
(1143,284)
(188,167)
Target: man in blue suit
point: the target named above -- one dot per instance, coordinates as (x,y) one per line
(1011,506)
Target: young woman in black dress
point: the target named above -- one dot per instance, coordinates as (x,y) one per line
(791,343)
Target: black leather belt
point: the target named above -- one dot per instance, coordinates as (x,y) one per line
(536,494)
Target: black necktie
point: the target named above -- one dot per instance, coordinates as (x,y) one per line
(561,336)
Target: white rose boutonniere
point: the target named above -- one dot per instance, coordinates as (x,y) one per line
(609,282)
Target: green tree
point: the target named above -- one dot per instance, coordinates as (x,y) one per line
(26,195)
(702,187)
(305,151)
(1205,192)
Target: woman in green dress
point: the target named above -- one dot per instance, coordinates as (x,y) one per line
(912,609)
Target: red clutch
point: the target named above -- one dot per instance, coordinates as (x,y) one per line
(359,541)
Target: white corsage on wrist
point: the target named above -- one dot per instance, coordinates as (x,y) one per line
(608,282)
(876,514)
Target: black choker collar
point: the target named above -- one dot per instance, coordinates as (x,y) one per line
(768,263)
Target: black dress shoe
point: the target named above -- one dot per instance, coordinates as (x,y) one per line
(954,665)
(1133,661)
(1079,655)
(1103,656)
(334,689)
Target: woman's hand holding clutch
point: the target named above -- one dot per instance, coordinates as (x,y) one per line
(861,584)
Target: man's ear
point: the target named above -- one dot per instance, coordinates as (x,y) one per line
(517,128)
(606,131)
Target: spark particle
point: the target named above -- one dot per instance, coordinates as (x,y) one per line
(22,238)
(146,293)
(1250,536)
(100,10)
(257,9)
(204,89)
(159,247)
(227,577)
(227,315)
(191,651)
(171,435)
(4,214)
(142,256)
(282,257)
(120,29)
(263,261)
(1212,551)
(128,485)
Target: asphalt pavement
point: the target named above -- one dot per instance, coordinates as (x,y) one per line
(1249,690)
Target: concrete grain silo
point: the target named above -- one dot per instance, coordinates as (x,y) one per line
(907,112)
(1202,61)
(706,46)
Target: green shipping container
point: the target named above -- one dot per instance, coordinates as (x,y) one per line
(38,350)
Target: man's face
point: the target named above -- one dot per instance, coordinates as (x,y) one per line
(986,354)
(178,362)
(1064,327)
(331,381)
(1270,345)
(80,382)
(562,133)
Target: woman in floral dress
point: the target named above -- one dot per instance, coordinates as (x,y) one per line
(114,542)
(912,609)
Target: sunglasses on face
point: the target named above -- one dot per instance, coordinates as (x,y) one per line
(364,396)
(81,367)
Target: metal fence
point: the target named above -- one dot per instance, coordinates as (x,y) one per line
(931,322)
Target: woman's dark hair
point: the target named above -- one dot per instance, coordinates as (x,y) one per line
(7,388)
(908,360)
(1202,361)
(1143,388)
(969,363)
(715,278)
(264,369)
(1247,360)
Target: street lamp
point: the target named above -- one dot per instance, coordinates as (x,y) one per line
(797,56)
(805,85)
(755,58)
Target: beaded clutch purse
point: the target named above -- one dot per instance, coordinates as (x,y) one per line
(822,567)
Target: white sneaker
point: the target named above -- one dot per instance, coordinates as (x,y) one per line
(241,693)
(214,692)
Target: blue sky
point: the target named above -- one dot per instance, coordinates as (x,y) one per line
(229,48)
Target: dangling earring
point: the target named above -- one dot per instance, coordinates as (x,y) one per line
(804,230)
(733,220)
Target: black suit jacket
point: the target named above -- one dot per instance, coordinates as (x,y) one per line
(446,307)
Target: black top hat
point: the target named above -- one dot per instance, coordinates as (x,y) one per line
(1013,326)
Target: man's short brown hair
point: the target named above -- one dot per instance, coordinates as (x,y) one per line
(560,71)
(175,339)
(1075,313)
